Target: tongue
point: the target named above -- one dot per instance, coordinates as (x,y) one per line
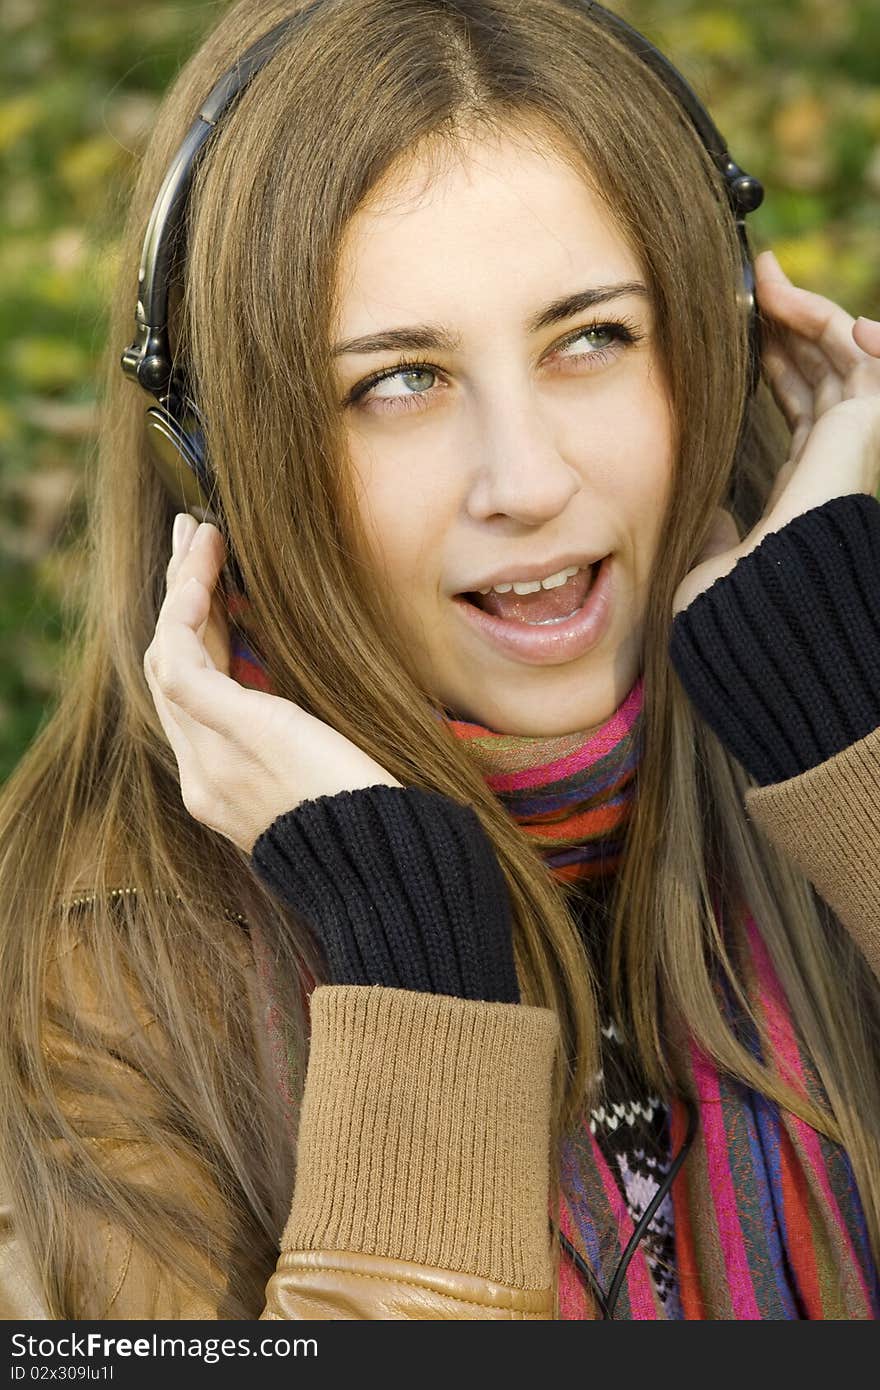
(538,607)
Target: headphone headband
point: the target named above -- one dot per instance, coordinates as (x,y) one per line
(744,191)
(148,359)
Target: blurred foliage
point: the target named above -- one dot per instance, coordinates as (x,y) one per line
(791,83)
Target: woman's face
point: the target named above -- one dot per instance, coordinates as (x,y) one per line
(530,437)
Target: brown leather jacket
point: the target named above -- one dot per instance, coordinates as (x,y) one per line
(422,1166)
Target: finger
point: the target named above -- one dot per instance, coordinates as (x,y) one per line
(198,748)
(215,637)
(201,695)
(812,363)
(792,392)
(203,628)
(818,321)
(203,556)
(171,721)
(866,333)
(169,715)
(182,533)
(214,632)
(193,753)
(177,646)
(165,659)
(863,382)
(822,328)
(828,387)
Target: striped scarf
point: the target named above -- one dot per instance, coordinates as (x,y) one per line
(566,788)
(768,1221)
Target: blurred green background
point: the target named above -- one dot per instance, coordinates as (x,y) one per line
(793,85)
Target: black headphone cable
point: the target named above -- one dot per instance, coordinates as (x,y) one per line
(607,1301)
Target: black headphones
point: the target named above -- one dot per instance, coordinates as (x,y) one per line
(175,428)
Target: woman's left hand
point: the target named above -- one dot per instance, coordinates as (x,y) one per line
(824,371)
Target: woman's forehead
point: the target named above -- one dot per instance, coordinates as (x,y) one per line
(504,164)
(501,219)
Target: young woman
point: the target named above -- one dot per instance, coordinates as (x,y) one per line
(493,963)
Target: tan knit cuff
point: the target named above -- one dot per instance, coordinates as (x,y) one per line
(827,820)
(425,1132)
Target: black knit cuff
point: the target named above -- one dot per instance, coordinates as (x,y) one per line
(781,656)
(402,887)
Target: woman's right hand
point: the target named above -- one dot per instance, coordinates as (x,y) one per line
(244,756)
(824,370)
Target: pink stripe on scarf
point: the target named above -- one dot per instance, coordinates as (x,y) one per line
(603,741)
(780,1031)
(638,1280)
(575,1304)
(736,1262)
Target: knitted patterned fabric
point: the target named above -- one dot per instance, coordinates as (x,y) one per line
(566,787)
(767,1217)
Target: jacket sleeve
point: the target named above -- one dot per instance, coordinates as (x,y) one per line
(827,820)
(781,657)
(423,1153)
(422,1175)
(423,1161)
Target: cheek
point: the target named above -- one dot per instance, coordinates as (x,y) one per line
(637,464)
(652,440)
(645,468)
(403,520)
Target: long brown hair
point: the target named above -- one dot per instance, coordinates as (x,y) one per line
(95,802)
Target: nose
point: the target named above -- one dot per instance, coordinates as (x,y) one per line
(520,470)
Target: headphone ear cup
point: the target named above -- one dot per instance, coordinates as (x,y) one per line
(178,451)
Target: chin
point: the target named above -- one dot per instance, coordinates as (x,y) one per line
(580,704)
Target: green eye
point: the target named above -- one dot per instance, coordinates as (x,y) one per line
(409,376)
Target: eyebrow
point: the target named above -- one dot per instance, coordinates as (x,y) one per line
(426,337)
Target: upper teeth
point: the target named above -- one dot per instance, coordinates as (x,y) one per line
(531,586)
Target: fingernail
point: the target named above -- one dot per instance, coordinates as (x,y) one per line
(182,527)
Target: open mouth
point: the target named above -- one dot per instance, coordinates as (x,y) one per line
(542,608)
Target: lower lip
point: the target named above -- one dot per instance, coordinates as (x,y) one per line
(552,643)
